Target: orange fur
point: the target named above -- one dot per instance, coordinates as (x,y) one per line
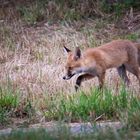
(121,54)
(138,46)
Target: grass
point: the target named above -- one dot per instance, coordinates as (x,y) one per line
(11,106)
(72,10)
(132,36)
(65,134)
(94,106)
(8,102)
(55,10)
(32,14)
(7,38)
(33,59)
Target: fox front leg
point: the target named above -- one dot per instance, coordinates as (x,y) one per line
(101,79)
(82,78)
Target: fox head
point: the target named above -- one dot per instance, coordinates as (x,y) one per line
(73,65)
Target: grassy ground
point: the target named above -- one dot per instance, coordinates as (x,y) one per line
(32,66)
(42,134)
(91,106)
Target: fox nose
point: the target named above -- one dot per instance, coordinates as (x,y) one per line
(64,78)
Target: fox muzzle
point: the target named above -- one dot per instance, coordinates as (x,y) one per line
(67,77)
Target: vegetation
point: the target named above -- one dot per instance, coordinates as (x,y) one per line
(91,106)
(32,34)
(74,10)
(11,106)
(8,102)
(42,134)
(86,106)
(32,12)
(94,106)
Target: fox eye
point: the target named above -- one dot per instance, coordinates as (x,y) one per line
(68,68)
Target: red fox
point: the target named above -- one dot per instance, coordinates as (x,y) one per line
(121,54)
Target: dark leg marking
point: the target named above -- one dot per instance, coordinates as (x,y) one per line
(122,73)
(81,78)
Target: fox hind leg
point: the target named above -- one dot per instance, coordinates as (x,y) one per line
(134,69)
(123,75)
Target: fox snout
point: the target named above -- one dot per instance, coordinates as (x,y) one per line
(67,77)
(64,78)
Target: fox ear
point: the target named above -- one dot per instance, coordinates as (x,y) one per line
(77,53)
(66,50)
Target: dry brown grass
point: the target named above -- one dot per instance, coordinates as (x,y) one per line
(35,61)
(36,65)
